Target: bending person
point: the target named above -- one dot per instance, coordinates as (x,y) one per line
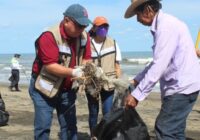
(175,66)
(59,50)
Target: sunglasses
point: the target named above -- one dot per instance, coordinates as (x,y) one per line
(77,24)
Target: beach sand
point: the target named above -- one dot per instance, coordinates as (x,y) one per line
(20,107)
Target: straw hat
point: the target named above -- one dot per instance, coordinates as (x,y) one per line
(130,11)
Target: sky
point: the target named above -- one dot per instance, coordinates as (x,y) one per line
(22,21)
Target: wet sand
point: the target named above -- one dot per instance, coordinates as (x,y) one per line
(20,125)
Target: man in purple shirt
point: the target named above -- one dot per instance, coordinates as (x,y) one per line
(175,66)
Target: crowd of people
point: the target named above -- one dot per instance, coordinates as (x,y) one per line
(63,47)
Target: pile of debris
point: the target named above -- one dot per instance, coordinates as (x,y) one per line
(94,79)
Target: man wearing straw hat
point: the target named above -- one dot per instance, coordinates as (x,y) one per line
(174,65)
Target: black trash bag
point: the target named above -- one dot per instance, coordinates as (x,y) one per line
(4,115)
(2,104)
(122,124)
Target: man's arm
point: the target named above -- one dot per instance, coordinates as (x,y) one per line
(117,69)
(117,61)
(58,70)
(165,46)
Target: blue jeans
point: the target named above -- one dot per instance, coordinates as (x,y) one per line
(171,121)
(93,106)
(64,104)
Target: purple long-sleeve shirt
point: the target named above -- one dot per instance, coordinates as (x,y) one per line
(175,64)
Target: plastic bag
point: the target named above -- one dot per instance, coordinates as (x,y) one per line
(4,115)
(122,124)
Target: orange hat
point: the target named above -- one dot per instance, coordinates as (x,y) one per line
(100,21)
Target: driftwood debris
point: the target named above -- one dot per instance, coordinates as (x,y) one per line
(94,79)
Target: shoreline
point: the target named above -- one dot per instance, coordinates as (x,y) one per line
(20,125)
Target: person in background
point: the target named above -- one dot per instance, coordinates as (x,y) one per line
(197,44)
(15,73)
(69,44)
(198,52)
(174,65)
(105,54)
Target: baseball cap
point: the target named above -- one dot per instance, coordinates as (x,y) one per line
(17,55)
(100,21)
(78,13)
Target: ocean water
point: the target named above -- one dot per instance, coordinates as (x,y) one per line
(25,73)
(132,63)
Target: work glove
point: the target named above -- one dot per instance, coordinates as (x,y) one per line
(77,72)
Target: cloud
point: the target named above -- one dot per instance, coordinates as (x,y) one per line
(124,31)
(4,25)
(28,12)
(28,18)
(183,8)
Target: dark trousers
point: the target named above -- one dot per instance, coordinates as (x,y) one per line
(93,106)
(14,79)
(65,107)
(171,121)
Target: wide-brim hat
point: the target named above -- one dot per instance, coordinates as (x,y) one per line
(130,11)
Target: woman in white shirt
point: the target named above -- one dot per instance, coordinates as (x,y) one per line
(105,54)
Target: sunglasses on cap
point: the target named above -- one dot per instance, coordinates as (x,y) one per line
(77,24)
